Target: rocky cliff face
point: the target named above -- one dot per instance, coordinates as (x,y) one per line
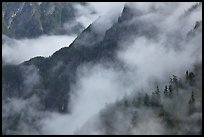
(32,19)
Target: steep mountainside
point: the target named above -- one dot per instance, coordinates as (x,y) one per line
(69,58)
(32,19)
(53,76)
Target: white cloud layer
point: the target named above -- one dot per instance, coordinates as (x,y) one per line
(16,51)
(147,60)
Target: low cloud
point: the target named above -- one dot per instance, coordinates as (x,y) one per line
(103,13)
(87,98)
(146,61)
(16,51)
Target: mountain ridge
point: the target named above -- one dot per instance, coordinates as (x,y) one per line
(75,54)
(53,77)
(31,19)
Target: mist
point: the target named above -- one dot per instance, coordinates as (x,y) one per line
(92,11)
(147,61)
(16,51)
(100,86)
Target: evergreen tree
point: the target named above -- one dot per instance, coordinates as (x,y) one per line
(157,91)
(146,100)
(126,103)
(166,91)
(175,83)
(191,104)
(155,100)
(171,81)
(192,99)
(170,91)
(186,76)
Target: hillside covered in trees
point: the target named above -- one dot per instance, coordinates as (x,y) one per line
(175,109)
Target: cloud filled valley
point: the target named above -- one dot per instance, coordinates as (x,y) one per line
(135,71)
(16,51)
